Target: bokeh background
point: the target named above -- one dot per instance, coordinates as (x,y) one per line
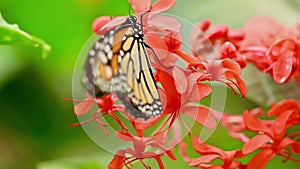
(35,119)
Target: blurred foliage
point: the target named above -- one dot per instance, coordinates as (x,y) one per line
(10,34)
(34,117)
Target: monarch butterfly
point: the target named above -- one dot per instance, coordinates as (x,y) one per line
(119,62)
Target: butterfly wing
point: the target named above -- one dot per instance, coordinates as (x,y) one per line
(118,62)
(103,61)
(136,74)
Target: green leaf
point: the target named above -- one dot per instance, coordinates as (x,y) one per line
(11,34)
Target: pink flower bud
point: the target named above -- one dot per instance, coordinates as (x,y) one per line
(228,50)
(204,25)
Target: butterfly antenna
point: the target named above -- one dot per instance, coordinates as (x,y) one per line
(142,25)
(149,47)
(129,9)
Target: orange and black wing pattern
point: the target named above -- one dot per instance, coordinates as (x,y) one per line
(119,63)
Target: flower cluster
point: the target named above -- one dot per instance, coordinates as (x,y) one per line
(216,54)
(271,136)
(273,48)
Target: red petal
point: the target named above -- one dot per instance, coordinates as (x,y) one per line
(297,74)
(283,106)
(219,31)
(159,161)
(162,5)
(203,159)
(285,142)
(254,124)
(279,125)
(237,34)
(162,23)
(260,160)
(201,114)
(296,147)
(203,148)
(204,25)
(241,60)
(170,60)
(180,80)
(173,40)
(230,64)
(264,31)
(171,154)
(255,143)
(117,162)
(192,93)
(158,44)
(105,23)
(141,124)
(218,167)
(113,23)
(200,91)
(240,84)
(282,68)
(167,82)
(228,50)
(83,107)
(240,136)
(140,6)
(234,154)
(99,23)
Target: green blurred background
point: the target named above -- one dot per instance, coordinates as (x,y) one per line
(35,118)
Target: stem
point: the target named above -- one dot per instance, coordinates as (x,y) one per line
(185,125)
(186,57)
(89,120)
(129,162)
(147,167)
(164,124)
(289,158)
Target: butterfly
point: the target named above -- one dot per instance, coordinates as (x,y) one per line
(119,63)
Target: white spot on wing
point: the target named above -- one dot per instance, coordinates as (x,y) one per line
(111,40)
(92,52)
(106,48)
(92,61)
(110,54)
(108,71)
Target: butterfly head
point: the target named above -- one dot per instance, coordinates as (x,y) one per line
(133,19)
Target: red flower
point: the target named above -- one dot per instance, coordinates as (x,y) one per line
(106,107)
(225,71)
(150,20)
(212,66)
(103,24)
(272,47)
(180,88)
(284,106)
(229,50)
(235,126)
(165,48)
(209,154)
(220,33)
(272,139)
(205,41)
(138,152)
